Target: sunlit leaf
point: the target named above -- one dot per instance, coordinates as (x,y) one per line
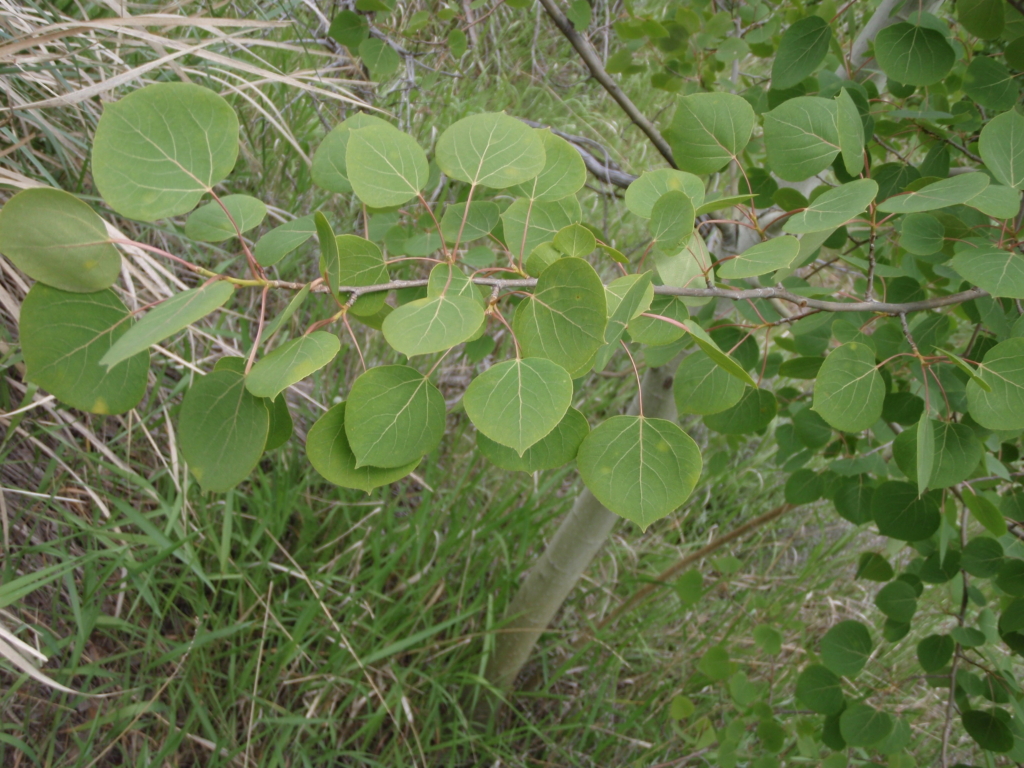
(211,223)
(491,149)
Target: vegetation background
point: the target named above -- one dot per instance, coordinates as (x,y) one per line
(295,623)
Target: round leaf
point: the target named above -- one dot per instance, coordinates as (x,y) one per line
(801,137)
(386,167)
(55,238)
(1001,146)
(434,324)
(64,335)
(491,149)
(982,557)
(702,386)
(158,150)
(210,223)
(922,234)
(760,259)
(291,363)
(527,224)
(395,416)
(898,601)
(330,169)
(565,318)
(989,83)
(518,402)
(846,647)
(913,55)
(647,190)
(329,452)
(639,468)
(820,690)
(988,731)
(555,449)
(862,726)
(934,652)
(709,130)
(833,208)
(849,391)
(901,514)
(957,453)
(1003,370)
(803,47)
(992,269)
(754,412)
(222,430)
(282,240)
(564,172)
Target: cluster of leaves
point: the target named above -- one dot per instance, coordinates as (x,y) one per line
(904,267)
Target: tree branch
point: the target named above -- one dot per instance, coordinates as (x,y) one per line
(593,62)
(606,171)
(882,307)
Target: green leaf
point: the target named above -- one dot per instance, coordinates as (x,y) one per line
(1003,370)
(380,58)
(55,238)
(434,324)
(851,132)
(901,514)
(701,386)
(555,449)
(63,336)
(451,280)
(715,662)
(282,240)
(768,639)
(955,451)
(627,297)
(754,412)
(989,83)
(349,29)
(158,150)
(913,55)
(386,167)
(849,391)
(291,363)
(925,459)
(992,269)
(922,234)
(330,169)
(518,402)
(330,263)
(395,416)
(564,172)
(671,221)
(491,149)
(575,240)
(898,601)
(457,43)
(653,331)
(802,48)
(862,726)
(686,268)
(723,360)
(168,318)
(833,208)
(328,451)
(760,259)
(934,652)
(820,690)
(986,513)
(997,201)
(459,226)
(222,429)
(648,189)
(982,18)
(360,262)
(801,137)
(709,130)
(1001,146)
(639,468)
(281,425)
(983,557)
(527,224)
(874,567)
(721,203)
(846,647)
(210,224)
(940,194)
(988,731)
(564,320)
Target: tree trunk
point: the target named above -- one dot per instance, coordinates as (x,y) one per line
(579,538)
